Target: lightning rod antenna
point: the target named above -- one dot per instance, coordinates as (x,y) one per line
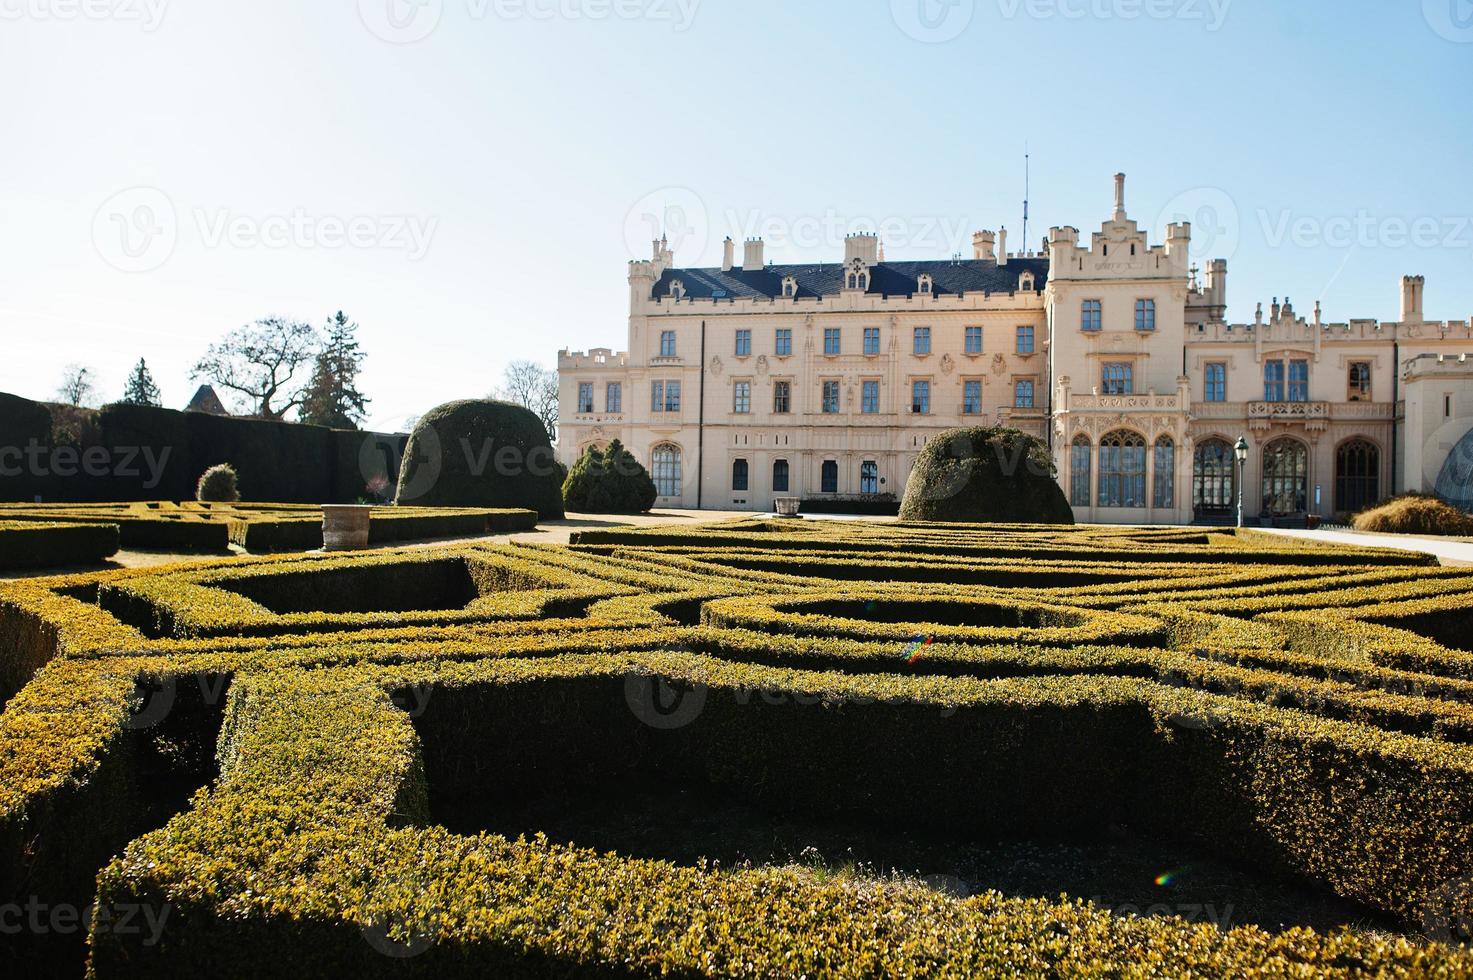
(1025,197)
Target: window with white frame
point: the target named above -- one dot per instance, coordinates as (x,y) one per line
(1023,393)
(1023,341)
(871,340)
(1215,382)
(743,343)
(782,344)
(782,397)
(741,397)
(869,477)
(920,397)
(585,397)
(869,400)
(1091,315)
(921,340)
(972,397)
(973,340)
(667,343)
(830,341)
(830,403)
(665,470)
(1145,314)
(614,397)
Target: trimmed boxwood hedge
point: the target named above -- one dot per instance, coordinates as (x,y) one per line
(1311,717)
(35,544)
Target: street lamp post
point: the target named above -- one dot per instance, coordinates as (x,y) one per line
(1241,451)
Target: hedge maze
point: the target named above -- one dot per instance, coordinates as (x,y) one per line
(756,748)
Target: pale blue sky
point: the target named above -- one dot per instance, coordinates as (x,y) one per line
(493,171)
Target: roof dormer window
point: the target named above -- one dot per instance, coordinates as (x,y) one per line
(677,290)
(924,284)
(857,277)
(790,286)
(1025,282)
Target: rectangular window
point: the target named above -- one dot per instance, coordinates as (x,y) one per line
(1164,490)
(739,472)
(871,340)
(1299,381)
(667,343)
(1273,381)
(1023,393)
(869,400)
(869,477)
(1215,389)
(830,341)
(1024,343)
(920,397)
(614,397)
(783,344)
(1118,378)
(782,397)
(1360,381)
(585,397)
(972,397)
(921,343)
(672,396)
(974,340)
(657,396)
(1091,315)
(830,397)
(780,476)
(828,476)
(743,343)
(741,397)
(1145,314)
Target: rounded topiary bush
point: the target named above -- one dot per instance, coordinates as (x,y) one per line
(609,481)
(481,454)
(218,484)
(1414,513)
(985,474)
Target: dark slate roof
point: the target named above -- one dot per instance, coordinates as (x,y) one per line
(205,400)
(886,278)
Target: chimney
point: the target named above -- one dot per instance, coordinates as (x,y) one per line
(1273,316)
(1119,197)
(728,251)
(752,255)
(1411,298)
(984,245)
(1002,246)
(1217,285)
(863,246)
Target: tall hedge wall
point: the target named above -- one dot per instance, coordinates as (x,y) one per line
(281,462)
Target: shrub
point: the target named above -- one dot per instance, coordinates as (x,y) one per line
(27,544)
(1414,513)
(481,454)
(218,483)
(609,482)
(984,474)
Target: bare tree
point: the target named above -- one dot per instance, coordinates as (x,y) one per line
(534,387)
(260,361)
(76,386)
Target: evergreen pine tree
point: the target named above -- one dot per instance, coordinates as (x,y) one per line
(332,396)
(140,389)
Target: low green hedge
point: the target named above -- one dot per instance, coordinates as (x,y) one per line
(326,873)
(27,544)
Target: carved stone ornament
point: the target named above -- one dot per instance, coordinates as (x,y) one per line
(716,366)
(999,364)
(761,363)
(947,364)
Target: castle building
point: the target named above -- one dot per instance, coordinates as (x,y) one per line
(753,381)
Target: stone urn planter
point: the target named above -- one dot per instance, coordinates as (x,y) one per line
(345,527)
(786,506)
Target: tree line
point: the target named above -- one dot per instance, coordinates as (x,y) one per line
(277,365)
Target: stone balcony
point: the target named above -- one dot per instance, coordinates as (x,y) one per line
(1147,402)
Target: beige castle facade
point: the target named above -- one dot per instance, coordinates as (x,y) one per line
(823,381)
